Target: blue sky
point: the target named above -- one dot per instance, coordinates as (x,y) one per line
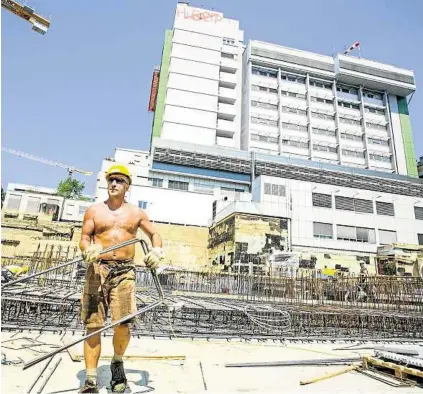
(81,90)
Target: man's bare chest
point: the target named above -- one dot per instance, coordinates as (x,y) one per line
(115,221)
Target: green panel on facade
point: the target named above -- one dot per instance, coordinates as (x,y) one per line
(161,94)
(407,137)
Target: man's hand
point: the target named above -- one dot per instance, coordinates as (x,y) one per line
(92,253)
(154,258)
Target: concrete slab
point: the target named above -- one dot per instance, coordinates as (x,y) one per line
(186,376)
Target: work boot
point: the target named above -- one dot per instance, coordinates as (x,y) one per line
(118,382)
(89,387)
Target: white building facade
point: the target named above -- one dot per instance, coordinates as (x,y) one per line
(199,91)
(328,207)
(340,110)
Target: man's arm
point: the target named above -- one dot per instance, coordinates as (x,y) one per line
(148,228)
(87,229)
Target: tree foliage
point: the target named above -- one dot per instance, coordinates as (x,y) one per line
(3,196)
(70,188)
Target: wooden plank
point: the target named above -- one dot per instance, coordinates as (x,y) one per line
(401,371)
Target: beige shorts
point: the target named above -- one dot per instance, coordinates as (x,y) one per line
(108,285)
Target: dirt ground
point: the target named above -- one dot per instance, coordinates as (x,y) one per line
(202,369)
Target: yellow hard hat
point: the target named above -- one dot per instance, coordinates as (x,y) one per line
(119,169)
(25,269)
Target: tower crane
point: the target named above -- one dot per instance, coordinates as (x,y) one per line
(39,23)
(70,169)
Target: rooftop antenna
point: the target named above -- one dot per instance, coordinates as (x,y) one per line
(356,45)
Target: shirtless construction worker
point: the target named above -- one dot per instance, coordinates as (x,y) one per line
(110,278)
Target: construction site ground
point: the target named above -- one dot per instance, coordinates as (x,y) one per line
(202,369)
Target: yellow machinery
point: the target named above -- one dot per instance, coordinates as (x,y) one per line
(39,24)
(400,259)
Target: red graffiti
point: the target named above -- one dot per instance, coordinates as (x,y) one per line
(196,15)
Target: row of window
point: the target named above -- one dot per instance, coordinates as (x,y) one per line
(228,41)
(354,234)
(351,137)
(372,95)
(345,89)
(350,121)
(321,115)
(293,126)
(376,111)
(377,141)
(324,148)
(320,131)
(264,72)
(292,94)
(293,78)
(263,89)
(322,85)
(353,204)
(376,126)
(274,190)
(295,144)
(268,122)
(349,105)
(294,110)
(385,159)
(321,100)
(263,105)
(353,153)
(264,138)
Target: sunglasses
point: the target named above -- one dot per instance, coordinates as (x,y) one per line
(118,180)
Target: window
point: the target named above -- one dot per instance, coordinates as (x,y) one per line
(143,204)
(330,133)
(351,137)
(350,121)
(377,141)
(376,111)
(352,153)
(387,237)
(420,239)
(293,78)
(264,138)
(14,202)
(385,208)
(372,95)
(376,157)
(321,85)
(156,182)
(263,89)
(268,122)
(321,100)
(264,105)
(376,126)
(418,213)
(264,72)
(322,230)
(293,126)
(228,55)
(203,188)
(345,89)
(322,115)
(292,94)
(296,144)
(356,234)
(322,200)
(294,110)
(353,204)
(349,105)
(274,190)
(69,209)
(228,41)
(178,185)
(324,148)
(33,205)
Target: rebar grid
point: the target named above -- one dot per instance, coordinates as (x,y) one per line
(207,304)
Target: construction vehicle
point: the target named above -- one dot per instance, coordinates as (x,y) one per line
(70,169)
(400,259)
(39,23)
